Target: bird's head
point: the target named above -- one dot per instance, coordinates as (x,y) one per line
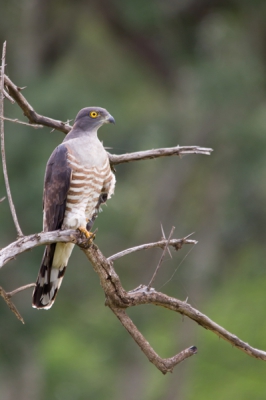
(92,118)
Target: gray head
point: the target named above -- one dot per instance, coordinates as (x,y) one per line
(92,118)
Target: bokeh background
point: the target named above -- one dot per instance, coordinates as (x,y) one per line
(170,72)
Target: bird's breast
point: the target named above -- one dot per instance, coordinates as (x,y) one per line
(87,151)
(86,185)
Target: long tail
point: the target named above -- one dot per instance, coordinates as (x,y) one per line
(51,273)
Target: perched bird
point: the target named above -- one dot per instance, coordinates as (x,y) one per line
(78,179)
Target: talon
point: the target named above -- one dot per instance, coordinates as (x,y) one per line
(89,235)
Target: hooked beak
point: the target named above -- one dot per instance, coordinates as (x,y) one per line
(110,119)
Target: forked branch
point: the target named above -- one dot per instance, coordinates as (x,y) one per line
(29,242)
(176,243)
(20,289)
(12,307)
(117,298)
(163,364)
(7,296)
(37,119)
(15,92)
(161,258)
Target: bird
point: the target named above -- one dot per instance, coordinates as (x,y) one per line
(78,179)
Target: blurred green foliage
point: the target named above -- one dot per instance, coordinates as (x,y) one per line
(170,72)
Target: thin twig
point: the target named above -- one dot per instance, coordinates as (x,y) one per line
(11,205)
(164,237)
(20,289)
(8,97)
(2,199)
(176,243)
(17,121)
(10,304)
(161,259)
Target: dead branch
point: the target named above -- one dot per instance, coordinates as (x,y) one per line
(33,117)
(6,296)
(176,243)
(17,121)
(20,289)
(10,304)
(117,298)
(163,364)
(171,303)
(11,204)
(26,243)
(12,101)
(155,153)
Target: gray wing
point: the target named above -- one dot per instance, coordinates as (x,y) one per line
(56,186)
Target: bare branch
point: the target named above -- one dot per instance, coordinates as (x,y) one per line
(155,153)
(25,243)
(6,296)
(161,259)
(10,304)
(30,113)
(8,97)
(163,364)
(22,122)
(2,199)
(176,243)
(11,204)
(160,299)
(117,297)
(35,118)
(20,289)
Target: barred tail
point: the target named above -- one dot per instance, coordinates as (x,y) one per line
(51,273)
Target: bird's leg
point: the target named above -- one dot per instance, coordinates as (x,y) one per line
(90,222)
(89,235)
(102,199)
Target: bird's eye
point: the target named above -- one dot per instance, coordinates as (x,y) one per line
(94,114)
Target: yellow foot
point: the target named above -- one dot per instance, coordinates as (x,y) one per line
(89,235)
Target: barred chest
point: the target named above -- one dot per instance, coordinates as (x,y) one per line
(86,186)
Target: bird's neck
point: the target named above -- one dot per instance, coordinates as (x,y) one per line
(77,133)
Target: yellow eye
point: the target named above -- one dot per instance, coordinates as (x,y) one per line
(94,114)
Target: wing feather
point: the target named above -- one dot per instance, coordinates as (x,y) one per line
(56,186)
